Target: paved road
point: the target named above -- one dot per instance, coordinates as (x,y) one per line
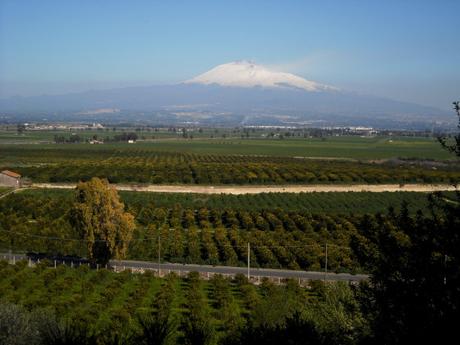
(256,189)
(230,270)
(207,270)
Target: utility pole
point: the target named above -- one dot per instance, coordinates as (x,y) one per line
(445,269)
(249,261)
(159,254)
(325,266)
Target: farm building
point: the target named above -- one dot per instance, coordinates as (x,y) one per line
(10,179)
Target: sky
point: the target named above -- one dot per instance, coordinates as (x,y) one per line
(405,50)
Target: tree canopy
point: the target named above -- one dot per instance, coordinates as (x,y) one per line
(100,218)
(414,294)
(455,146)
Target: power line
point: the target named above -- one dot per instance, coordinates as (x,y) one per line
(44,237)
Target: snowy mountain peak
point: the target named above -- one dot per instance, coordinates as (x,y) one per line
(249,74)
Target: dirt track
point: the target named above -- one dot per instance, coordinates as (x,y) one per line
(249,189)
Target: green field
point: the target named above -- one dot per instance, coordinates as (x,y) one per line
(11,135)
(344,147)
(330,147)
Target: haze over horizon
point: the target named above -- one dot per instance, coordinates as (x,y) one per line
(52,47)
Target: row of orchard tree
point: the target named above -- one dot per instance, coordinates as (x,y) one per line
(134,166)
(57,224)
(278,239)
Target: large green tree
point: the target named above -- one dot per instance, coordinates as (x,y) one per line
(414,261)
(454,144)
(414,291)
(100,218)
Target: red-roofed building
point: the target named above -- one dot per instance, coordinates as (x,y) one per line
(10,179)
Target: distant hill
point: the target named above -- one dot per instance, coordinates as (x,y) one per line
(236,93)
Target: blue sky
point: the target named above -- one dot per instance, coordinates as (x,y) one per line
(407,50)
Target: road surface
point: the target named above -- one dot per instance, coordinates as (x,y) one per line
(230,270)
(256,189)
(255,273)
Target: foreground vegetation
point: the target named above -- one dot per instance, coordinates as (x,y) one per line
(107,308)
(4,190)
(402,303)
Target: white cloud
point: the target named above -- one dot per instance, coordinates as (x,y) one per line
(305,64)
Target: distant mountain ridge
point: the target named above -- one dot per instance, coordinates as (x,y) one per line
(234,94)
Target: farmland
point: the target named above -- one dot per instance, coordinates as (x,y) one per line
(229,142)
(285,230)
(335,231)
(221,156)
(229,162)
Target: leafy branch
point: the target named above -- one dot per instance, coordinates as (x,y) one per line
(454,147)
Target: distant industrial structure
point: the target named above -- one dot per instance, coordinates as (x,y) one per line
(10,179)
(62,126)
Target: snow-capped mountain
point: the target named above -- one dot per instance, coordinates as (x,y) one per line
(236,93)
(248,74)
